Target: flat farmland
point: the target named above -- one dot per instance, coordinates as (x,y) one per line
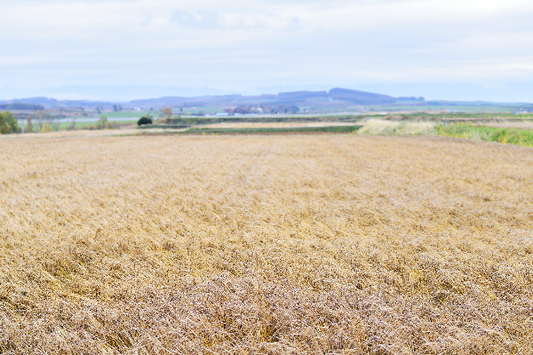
(315,244)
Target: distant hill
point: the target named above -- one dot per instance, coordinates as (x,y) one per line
(285,98)
(303,95)
(360,97)
(41,101)
(183,101)
(21,106)
(294,98)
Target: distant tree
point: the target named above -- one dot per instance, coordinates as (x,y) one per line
(115,108)
(29,125)
(144,120)
(242,109)
(181,109)
(167,111)
(8,123)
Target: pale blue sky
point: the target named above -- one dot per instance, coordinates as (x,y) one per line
(116,50)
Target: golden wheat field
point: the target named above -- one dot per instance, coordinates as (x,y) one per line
(303,244)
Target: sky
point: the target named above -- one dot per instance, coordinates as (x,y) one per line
(123,50)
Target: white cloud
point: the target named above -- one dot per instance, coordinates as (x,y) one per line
(235,45)
(202,19)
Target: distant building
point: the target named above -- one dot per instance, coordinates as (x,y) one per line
(222,114)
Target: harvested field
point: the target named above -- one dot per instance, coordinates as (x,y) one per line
(337,244)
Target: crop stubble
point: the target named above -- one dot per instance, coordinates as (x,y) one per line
(270,244)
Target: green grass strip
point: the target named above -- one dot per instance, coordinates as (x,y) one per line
(327,129)
(522,137)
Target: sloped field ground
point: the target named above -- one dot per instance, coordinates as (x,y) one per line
(338,244)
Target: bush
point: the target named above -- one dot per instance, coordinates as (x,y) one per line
(144,120)
(103,123)
(111,125)
(46,128)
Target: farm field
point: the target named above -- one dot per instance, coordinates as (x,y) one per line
(330,244)
(126,114)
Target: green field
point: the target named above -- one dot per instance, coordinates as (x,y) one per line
(458,116)
(522,137)
(63,126)
(88,125)
(328,129)
(446,107)
(128,114)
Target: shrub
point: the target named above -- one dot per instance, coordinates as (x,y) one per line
(102,122)
(71,126)
(46,128)
(144,120)
(111,125)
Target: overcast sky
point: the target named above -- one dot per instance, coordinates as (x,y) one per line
(130,49)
